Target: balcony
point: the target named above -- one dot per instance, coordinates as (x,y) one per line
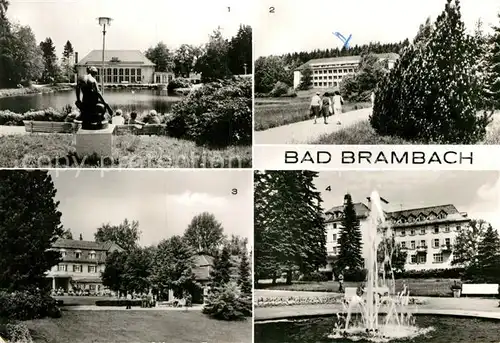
(422,248)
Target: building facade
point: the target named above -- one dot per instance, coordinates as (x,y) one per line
(81,266)
(427,234)
(329,72)
(120,67)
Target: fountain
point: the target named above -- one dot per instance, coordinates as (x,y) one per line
(380,314)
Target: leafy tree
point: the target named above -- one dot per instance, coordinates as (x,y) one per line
(4,5)
(306,80)
(237,245)
(29,225)
(268,71)
(244,278)
(214,63)
(350,256)
(113,274)
(126,235)
(67,234)
(391,256)
(67,60)
(434,91)
(204,234)
(173,267)
(288,223)
(220,274)
(137,271)
(240,51)
(493,65)
(185,58)
(161,56)
(51,69)
(466,246)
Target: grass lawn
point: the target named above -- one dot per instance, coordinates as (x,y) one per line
(363,134)
(138,326)
(417,287)
(129,151)
(273,112)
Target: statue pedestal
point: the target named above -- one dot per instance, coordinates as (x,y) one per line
(100,142)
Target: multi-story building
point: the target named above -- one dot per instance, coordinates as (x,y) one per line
(329,72)
(122,66)
(81,266)
(427,234)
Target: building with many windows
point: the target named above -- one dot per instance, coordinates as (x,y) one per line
(81,265)
(427,234)
(329,72)
(122,66)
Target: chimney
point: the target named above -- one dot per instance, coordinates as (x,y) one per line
(76,57)
(81,237)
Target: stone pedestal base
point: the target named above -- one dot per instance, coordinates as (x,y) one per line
(100,142)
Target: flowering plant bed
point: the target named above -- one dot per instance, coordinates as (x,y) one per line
(291,301)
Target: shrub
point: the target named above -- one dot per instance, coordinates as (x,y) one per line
(178,83)
(15,119)
(315,276)
(118,302)
(27,305)
(355,275)
(452,273)
(279,89)
(226,304)
(434,91)
(15,332)
(217,114)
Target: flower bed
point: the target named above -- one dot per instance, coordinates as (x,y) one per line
(291,301)
(118,302)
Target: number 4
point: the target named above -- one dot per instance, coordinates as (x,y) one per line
(329,188)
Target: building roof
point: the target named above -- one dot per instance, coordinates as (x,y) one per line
(203,263)
(426,211)
(122,56)
(346,59)
(361,211)
(62,243)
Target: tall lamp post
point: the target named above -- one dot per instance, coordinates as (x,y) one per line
(103,21)
(245,67)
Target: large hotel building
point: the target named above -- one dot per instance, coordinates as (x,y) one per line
(427,234)
(329,72)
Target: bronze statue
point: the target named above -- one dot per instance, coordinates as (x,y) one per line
(92,105)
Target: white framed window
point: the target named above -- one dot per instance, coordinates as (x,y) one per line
(403,245)
(92,255)
(447,241)
(77,268)
(91,269)
(422,231)
(422,243)
(435,243)
(412,244)
(403,232)
(334,237)
(62,268)
(63,252)
(436,228)
(422,258)
(413,258)
(447,228)
(412,232)
(438,258)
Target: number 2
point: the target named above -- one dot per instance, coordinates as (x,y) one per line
(271,9)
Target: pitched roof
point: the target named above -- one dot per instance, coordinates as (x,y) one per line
(426,211)
(361,211)
(345,59)
(84,245)
(122,56)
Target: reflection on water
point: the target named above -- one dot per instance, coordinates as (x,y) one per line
(446,329)
(127,100)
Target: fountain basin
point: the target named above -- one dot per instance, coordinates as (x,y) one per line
(446,327)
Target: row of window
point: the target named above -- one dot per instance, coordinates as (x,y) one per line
(334,71)
(326,84)
(77,268)
(118,75)
(334,77)
(436,258)
(436,243)
(78,254)
(423,230)
(421,217)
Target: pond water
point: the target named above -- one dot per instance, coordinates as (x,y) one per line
(446,329)
(127,100)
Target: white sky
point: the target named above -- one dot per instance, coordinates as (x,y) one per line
(474,192)
(299,25)
(164,202)
(135,25)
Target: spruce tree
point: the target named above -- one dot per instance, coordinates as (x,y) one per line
(220,274)
(433,93)
(30,223)
(493,60)
(244,280)
(350,255)
(488,257)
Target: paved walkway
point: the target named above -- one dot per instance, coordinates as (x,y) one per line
(476,307)
(134,308)
(12,130)
(305,132)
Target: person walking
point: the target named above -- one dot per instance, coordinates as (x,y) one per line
(326,106)
(315,107)
(341,282)
(338,101)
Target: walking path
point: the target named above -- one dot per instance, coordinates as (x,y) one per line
(12,130)
(305,132)
(474,307)
(135,308)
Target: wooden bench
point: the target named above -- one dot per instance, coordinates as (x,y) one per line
(150,129)
(480,289)
(49,127)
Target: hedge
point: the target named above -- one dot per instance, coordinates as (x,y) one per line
(118,302)
(452,273)
(16,119)
(27,305)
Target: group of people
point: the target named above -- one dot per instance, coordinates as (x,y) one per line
(147,300)
(326,106)
(119,118)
